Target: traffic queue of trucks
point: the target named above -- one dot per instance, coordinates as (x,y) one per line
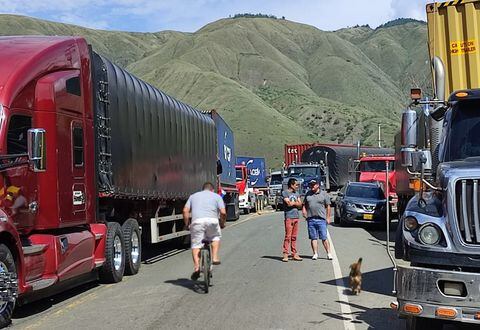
(93,162)
(334,165)
(437,246)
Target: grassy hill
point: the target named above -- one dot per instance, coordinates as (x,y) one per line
(273,80)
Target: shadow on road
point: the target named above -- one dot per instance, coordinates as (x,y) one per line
(375,318)
(377,281)
(47,303)
(187,283)
(277,258)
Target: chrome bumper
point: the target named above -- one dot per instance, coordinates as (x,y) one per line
(422,286)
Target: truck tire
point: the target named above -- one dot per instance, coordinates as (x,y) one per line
(7,265)
(114,266)
(399,247)
(133,246)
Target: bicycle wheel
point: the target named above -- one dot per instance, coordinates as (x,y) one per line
(206,268)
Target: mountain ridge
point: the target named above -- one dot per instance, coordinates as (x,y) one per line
(274,81)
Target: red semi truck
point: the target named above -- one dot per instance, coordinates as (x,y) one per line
(373,168)
(90,156)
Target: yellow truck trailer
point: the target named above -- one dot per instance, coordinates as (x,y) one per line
(437,245)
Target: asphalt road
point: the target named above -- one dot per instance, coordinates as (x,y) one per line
(252,289)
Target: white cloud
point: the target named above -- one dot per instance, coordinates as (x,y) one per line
(412,9)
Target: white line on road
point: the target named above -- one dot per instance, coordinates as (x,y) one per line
(344,303)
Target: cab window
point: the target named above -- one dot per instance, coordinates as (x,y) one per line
(17,134)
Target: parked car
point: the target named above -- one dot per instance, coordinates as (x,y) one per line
(360,202)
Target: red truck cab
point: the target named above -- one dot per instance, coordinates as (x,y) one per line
(373,168)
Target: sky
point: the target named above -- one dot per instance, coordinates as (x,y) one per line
(191,15)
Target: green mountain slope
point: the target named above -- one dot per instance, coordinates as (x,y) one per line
(274,81)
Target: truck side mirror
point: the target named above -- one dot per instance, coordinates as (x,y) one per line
(408,136)
(37,153)
(439,112)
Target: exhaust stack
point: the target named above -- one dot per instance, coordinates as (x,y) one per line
(436,126)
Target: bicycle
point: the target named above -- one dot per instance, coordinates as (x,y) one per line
(206,264)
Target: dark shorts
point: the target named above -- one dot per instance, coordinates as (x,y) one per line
(317,228)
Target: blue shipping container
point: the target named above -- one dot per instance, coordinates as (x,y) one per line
(257,171)
(226,149)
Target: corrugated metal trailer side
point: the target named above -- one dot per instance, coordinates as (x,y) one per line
(149,145)
(454,36)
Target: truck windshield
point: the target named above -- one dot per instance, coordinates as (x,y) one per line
(303,171)
(276,179)
(375,166)
(464,138)
(239,174)
(365,192)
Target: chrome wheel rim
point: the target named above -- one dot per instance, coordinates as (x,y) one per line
(3,269)
(117,253)
(135,247)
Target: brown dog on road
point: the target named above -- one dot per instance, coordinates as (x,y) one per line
(356,277)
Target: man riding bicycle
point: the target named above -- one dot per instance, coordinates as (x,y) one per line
(205,207)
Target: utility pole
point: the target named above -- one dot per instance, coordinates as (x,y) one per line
(379,136)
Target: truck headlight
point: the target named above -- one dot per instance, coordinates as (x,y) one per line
(410,223)
(429,235)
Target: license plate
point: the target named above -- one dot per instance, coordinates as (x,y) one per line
(368,216)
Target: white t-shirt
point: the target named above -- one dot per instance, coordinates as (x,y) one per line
(205,204)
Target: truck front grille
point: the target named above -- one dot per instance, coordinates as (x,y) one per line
(468,210)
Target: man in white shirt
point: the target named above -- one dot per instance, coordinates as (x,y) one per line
(205,207)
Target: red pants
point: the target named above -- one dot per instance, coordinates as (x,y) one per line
(291,231)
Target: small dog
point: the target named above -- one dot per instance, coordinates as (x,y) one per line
(356,277)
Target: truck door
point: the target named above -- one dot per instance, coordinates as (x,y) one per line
(71,160)
(17,190)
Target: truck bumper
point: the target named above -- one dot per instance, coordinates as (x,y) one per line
(432,289)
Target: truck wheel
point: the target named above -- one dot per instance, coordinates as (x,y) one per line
(133,246)
(7,265)
(114,266)
(399,249)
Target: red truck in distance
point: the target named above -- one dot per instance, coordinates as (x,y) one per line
(93,161)
(373,168)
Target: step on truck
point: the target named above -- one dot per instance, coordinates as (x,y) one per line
(93,161)
(437,244)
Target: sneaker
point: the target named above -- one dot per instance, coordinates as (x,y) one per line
(285,258)
(329,256)
(315,257)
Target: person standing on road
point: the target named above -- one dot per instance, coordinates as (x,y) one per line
(316,209)
(205,207)
(292,203)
